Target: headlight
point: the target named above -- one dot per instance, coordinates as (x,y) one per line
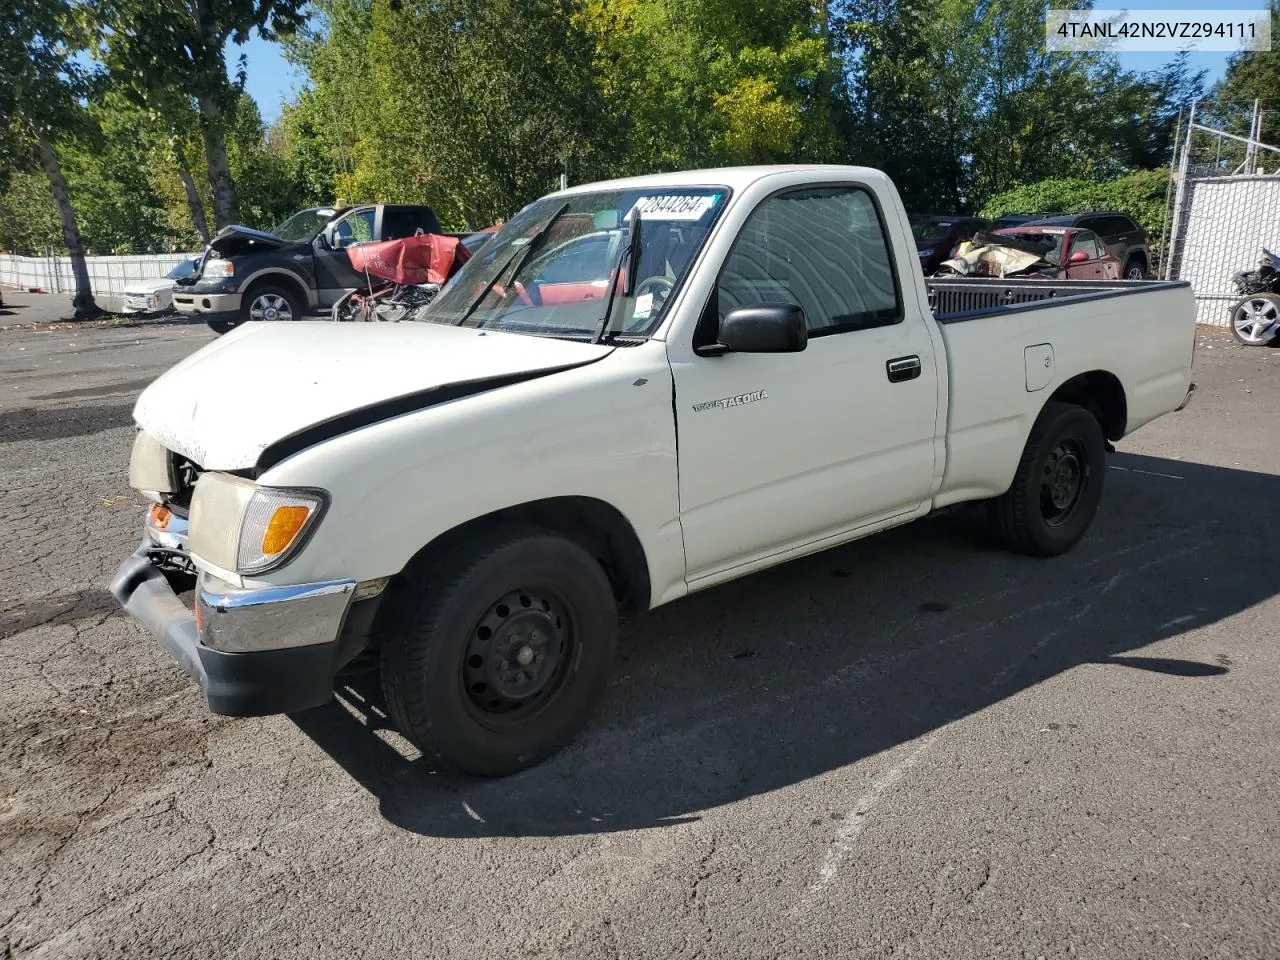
(150,466)
(219,269)
(238,525)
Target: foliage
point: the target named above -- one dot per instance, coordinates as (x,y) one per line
(1141,194)
(28,216)
(172,55)
(478,106)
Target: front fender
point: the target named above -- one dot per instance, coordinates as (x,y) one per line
(603,431)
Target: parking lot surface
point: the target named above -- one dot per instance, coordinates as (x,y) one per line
(916,745)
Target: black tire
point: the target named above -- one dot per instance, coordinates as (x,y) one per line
(269,301)
(223,325)
(462,622)
(1044,513)
(1135,269)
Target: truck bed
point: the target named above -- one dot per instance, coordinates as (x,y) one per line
(969,298)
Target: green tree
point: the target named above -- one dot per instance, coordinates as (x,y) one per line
(41,93)
(179,46)
(29,222)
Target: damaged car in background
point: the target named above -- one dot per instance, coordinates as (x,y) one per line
(1033,252)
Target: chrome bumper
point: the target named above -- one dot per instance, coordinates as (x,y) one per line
(253,651)
(206,302)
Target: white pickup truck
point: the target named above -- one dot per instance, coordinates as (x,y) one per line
(637,389)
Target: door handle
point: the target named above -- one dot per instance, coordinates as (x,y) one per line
(902,368)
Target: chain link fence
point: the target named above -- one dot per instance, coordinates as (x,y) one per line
(1224,205)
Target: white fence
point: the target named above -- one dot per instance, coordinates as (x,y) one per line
(107,275)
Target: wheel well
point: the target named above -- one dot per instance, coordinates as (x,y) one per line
(593,524)
(1139,256)
(280,280)
(1101,394)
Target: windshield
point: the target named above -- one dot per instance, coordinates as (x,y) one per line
(1048,244)
(560,286)
(304,225)
(185,269)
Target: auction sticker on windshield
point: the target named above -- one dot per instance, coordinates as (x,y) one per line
(676,206)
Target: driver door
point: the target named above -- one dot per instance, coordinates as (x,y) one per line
(780,450)
(334,273)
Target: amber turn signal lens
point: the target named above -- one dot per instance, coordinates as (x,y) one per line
(160,517)
(282,528)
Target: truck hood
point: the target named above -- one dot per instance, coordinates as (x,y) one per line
(234,238)
(276,388)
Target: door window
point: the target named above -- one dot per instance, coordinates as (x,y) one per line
(356,227)
(823,249)
(1089,243)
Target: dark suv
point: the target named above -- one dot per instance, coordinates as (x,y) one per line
(1125,240)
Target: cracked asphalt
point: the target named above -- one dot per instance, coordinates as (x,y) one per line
(917,745)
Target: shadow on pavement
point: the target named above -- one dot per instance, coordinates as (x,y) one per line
(855,651)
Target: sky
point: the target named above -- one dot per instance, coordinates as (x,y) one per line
(272,80)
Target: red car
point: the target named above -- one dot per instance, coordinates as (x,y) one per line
(1077,254)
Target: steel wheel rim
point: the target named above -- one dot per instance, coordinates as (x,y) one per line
(1254,316)
(270,306)
(517,657)
(1062,482)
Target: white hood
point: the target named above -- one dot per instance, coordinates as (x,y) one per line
(227,402)
(149,286)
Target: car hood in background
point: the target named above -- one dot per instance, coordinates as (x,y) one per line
(149,286)
(264,383)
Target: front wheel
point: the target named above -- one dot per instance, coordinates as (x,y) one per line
(498,651)
(269,302)
(1254,319)
(1135,270)
(1058,484)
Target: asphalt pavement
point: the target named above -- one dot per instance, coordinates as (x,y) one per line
(917,745)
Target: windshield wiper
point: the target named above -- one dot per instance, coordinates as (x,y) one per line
(521,254)
(631,257)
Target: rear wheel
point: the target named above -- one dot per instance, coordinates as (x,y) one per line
(499,651)
(1058,485)
(1135,270)
(1254,319)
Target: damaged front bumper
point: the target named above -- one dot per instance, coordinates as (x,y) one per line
(253,651)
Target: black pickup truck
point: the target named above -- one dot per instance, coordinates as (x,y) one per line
(296,268)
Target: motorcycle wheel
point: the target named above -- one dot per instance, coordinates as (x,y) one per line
(1254,319)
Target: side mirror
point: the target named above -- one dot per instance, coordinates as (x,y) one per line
(762,328)
(1080,256)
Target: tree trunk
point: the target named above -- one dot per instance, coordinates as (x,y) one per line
(194,203)
(85,307)
(215,151)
